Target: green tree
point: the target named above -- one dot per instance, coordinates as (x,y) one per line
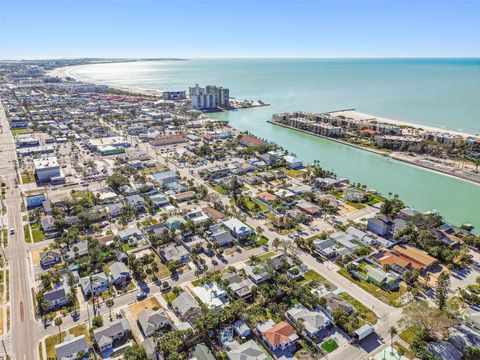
(58,322)
(393,332)
(135,352)
(441,290)
(110,304)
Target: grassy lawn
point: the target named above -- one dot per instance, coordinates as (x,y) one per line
(126,247)
(53,340)
(409,334)
(40,350)
(163,271)
(406,351)
(170,296)
(219,189)
(50,343)
(390,297)
(147,222)
(291,172)
(312,275)
(329,345)
(37,233)
(20,131)
(374,199)
(262,241)
(26,232)
(357,206)
(28,177)
(266,255)
(364,312)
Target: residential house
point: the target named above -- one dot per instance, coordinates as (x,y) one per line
(184,196)
(72,348)
(292,162)
(381,278)
(130,235)
(314,321)
(136,202)
(212,295)
(77,250)
(106,335)
(186,307)
(114,210)
(48,226)
(119,273)
(151,321)
(98,284)
(249,350)
(177,253)
(258,274)
(151,350)
(174,222)
(277,336)
(50,258)
(240,286)
(202,352)
(199,218)
(308,208)
(57,298)
(220,236)
(166,179)
(335,302)
(159,201)
(238,229)
(380,225)
(402,257)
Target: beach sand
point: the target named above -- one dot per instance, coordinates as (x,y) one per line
(67,71)
(362,116)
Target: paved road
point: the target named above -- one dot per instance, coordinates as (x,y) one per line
(23,324)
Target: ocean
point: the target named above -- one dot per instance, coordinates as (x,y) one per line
(443,93)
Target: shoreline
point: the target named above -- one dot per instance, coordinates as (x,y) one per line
(357,115)
(63,72)
(462,177)
(66,71)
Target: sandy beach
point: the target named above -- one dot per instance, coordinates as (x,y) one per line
(67,71)
(362,116)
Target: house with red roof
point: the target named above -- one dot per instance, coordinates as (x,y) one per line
(278,336)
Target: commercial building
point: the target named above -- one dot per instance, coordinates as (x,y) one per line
(174,95)
(209,97)
(110,150)
(48,170)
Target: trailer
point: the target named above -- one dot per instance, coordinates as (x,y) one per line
(362,332)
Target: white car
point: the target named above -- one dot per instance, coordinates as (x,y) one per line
(12,231)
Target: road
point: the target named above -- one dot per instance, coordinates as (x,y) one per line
(23,324)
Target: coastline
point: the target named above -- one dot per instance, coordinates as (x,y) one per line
(393,156)
(64,72)
(356,115)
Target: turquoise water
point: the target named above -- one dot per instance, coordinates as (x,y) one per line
(442,93)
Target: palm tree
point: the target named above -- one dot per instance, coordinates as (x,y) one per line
(393,332)
(109,304)
(58,322)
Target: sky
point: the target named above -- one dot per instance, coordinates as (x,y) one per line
(232,28)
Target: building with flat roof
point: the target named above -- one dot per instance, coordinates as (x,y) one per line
(47,169)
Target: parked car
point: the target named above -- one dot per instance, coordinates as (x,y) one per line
(141,295)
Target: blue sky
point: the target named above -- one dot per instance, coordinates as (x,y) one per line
(228,28)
